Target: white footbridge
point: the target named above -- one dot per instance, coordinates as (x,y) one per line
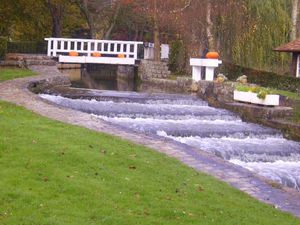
(93,51)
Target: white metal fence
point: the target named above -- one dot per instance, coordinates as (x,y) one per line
(85,47)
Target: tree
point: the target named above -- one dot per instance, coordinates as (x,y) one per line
(295,13)
(57,10)
(209,26)
(83,5)
(156,37)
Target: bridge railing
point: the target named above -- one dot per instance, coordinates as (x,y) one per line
(86,47)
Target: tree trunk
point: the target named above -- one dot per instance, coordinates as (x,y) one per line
(114,21)
(293,33)
(57,13)
(156,35)
(209,28)
(83,5)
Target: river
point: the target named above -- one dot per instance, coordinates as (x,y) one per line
(190,121)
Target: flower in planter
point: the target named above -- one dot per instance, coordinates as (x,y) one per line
(255,89)
(262,94)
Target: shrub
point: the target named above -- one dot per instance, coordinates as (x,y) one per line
(260,91)
(262,78)
(177,57)
(3,47)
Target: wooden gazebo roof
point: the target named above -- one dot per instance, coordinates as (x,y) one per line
(293,46)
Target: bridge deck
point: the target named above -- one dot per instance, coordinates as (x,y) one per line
(109,50)
(96,60)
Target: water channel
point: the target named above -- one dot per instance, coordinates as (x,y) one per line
(190,121)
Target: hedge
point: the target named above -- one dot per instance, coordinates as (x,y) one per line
(177,57)
(3,47)
(262,78)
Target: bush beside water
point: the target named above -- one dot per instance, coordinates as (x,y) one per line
(262,78)
(3,47)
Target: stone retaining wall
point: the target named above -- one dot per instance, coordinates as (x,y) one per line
(26,60)
(150,69)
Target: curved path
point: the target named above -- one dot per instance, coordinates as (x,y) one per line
(286,199)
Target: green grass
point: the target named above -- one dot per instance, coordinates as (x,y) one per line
(291,95)
(8,74)
(54,173)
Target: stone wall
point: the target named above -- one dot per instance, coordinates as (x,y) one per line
(180,85)
(125,72)
(26,60)
(56,78)
(150,69)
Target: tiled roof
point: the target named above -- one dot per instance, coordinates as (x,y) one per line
(293,46)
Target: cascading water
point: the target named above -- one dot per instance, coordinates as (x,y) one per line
(191,121)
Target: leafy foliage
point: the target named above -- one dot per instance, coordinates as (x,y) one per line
(3,47)
(260,91)
(267,26)
(262,78)
(177,57)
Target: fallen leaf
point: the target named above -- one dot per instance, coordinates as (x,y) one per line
(200,189)
(132,167)
(137,195)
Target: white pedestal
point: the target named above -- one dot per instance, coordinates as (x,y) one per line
(209,64)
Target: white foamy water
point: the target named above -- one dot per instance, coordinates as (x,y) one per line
(191,121)
(286,173)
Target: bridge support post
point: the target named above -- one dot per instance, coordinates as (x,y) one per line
(125,72)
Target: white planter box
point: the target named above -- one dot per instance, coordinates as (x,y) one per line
(250,97)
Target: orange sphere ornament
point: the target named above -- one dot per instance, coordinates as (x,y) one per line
(121,56)
(212,55)
(96,54)
(73,53)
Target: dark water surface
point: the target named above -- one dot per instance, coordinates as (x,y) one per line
(101,78)
(191,121)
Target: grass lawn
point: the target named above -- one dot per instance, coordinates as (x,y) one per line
(291,95)
(7,74)
(54,173)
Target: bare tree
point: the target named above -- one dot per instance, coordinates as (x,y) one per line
(83,5)
(114,20)
(295,13)
(57,10)
(157,50)
(209,26)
